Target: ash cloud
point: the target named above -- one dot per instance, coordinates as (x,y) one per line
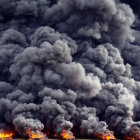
(70,65)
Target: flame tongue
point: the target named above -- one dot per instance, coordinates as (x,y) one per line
(35,134)
(67,135)
(5,135)
(107,136)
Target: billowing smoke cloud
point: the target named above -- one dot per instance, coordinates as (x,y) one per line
(70,64)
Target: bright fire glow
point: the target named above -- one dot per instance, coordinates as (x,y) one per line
(107,136)
(136,136)
(36,134)
(5,135)
(65,135)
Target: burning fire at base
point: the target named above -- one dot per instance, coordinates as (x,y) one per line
(36,134)
(135,136)
(64,135)
(107,136)
(67,135)
(5,135)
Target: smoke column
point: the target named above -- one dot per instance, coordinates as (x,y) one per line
(70,65)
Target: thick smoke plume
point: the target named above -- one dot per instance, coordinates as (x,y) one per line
(70,65)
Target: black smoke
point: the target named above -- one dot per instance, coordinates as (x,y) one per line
(70,64)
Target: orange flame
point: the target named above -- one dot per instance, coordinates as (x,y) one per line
(107,136)
(5,135)
(36,134)
(67,135)
(136,136)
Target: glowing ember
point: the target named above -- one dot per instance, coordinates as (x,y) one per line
(36,134)
(135,136)
(67,135)
(107,136)
(128,138)
(5,135)
(55,135)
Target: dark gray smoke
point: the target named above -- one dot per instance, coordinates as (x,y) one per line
(70,64)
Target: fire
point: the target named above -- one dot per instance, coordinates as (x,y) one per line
(128,138)
(55,135)
(135,136)
(36,134)
(5,135)
(107,136)
(65,135)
